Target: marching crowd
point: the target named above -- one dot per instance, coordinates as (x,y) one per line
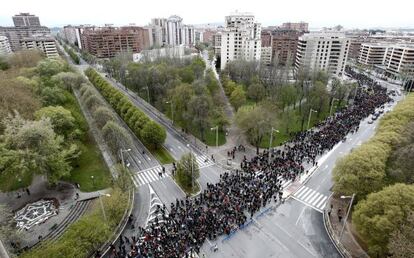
(227,205)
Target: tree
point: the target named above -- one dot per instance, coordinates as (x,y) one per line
(256,92)
(153,134)
(123,180)
(187,75)
(50,67)
(102,115)
(53,96)
(381,214)
(62,120)
(68,80)
(39,147)
(25,58)
(116,137)
(402,239)
(187,171)
(319,97)
(362,171)
(8,233)
(199,108)
(255,122)
(238,97)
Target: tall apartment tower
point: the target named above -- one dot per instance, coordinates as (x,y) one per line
(174,30)
(241,39)
(4,46)
(322,51)
(26,20)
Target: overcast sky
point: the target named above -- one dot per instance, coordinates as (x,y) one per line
(319,13)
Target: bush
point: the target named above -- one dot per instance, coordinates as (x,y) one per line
(153,134)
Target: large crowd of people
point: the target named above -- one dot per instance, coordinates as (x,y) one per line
(225,206)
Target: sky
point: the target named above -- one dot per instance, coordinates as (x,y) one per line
(318,13)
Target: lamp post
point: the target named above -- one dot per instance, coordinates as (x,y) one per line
(172,110)
(192,170)
(215,128)
(271,140)
(122,155)
(332,102)
(102,207)
(347,214)
(148,94)
(310,114)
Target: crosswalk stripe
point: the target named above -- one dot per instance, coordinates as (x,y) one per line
(310,195)
(146,181)
(152,175)
(317,200)
(299,191)
(314,197)
(319,205)
(302,193)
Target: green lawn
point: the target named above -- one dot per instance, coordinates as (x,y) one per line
(187,190)
(13,182)
(90,164)
(162,155)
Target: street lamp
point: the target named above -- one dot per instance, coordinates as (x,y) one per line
(122,155)
(332,102)
(215,128)
(271,140)
(192,170)
(310,114)
(148,94)
(172,110)
(347,213)
(102,207)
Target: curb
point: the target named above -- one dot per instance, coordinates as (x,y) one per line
(328,227)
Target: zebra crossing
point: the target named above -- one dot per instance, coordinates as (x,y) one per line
(311,198)
(203,161)
(147,176)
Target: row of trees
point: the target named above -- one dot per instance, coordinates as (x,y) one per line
(151,133)
(370,172)
(180,88)
(72,54)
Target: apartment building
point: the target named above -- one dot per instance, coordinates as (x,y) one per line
(284,45)
(298,26)
(372,53)
(217,43)
(399,60)
(5,48)
(266,55)
(171,32)
(326,51)
(240,39)
(43,43)
(106,42)
(26,25)
(25,20)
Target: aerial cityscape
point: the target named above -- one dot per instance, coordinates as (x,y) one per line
(226,129)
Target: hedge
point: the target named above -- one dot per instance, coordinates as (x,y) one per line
(133,117)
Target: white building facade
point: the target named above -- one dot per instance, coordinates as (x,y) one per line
(45,44)
(325,51)
(399,61)
(372,53)
(241,39)
(5,48)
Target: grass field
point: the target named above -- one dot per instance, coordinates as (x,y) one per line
(162,155)
(90,164)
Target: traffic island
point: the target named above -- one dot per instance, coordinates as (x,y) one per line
(342,235)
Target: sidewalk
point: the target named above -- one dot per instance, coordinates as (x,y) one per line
(347,244)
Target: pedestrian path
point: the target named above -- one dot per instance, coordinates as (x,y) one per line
(147,176)
(203,161)
(311,198)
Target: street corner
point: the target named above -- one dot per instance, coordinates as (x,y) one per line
(291,189)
